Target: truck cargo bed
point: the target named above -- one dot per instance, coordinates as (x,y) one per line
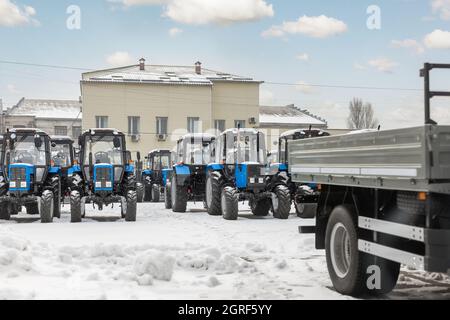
(416,159)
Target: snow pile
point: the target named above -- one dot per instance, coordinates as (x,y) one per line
(15,253)
(154,264)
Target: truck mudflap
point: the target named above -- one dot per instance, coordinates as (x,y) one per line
(436,241)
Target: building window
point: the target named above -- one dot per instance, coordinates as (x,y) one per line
(101,122)
(239,123)
(219,125)
(61,131)
(193,125)
(161,125)
(76,131)
(134,125)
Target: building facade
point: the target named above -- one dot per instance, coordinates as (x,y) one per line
(156,105)
(56,117)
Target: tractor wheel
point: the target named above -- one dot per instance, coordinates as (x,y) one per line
(56,189)
(213,194)
(130,214)
(14,209)
(178,196)
(47,206)
(167,196)
(147,192)
(281,206)
(140,192)
(5,212)
(229,203)
(155,193)
(261,208)
(32,208)
(75,207)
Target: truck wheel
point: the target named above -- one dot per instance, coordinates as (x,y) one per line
(347,266)
(140,192)
(167,196)
(32,208)
(281,206)
(213,194)
(306,210)
(75,207)
(5,212)
(147,192)
(130,214)
(179,196)
(47,206)
(261,208)
(229,203)
(155,193)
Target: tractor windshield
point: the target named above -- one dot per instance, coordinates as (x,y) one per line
(103,150)
(24,150)
(246,148)
(197,152)
(61,155)
(161,162)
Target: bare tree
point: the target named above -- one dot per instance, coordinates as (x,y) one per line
(361,115)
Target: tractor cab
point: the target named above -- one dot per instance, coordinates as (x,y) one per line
(158,168)
(62,152)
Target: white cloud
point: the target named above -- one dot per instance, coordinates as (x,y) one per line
(304,87)
(408,44)
(173,32)
(303,57)
(12,88)
(438,39)
(11,15)
(383,65)
(441,7)
(315,27)
(359,66)
(129,3)
(119,59)
(199,12)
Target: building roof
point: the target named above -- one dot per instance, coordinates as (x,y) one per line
(289,116)
(47,109)
(163,74)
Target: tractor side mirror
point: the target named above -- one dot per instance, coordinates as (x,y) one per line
(53,145)
(37,142)
(116,142)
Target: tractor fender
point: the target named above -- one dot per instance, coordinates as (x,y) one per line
(74,169)
(54,170)
(182,173)
(166,175)
(278,167)
(214,167)
(146,172)
(129,168)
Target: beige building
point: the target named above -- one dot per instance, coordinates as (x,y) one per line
(155,105)
(56,117)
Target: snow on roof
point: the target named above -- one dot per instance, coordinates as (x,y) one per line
(47,109)
(289,115)
(163,74)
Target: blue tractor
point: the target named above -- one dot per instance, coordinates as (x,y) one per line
(188,177)
(154,177)
(28,177)
(63,157)
(106,176)
(240,173)
(305,197)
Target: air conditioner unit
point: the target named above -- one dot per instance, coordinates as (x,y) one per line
(162,137)
(135,137)
(252,121)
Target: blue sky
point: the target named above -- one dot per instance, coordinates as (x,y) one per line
(309,42)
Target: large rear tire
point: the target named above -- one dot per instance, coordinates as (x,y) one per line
(155,193)
(147,192)
(179,196)
(130,214)
(347,266)
(167,196)
(75,207)
(261,208)
(213,194)
(47,206)
(230,203)
(56,189)
(5,212)
(281,206)
(140,192)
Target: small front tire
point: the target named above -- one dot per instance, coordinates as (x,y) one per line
(281,206)
(230,203)
(130,214)
(47,207)
(75,207)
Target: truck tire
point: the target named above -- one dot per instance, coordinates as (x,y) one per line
(167,196)
(32,208)
(261,208)
(147,192)
(282,206)
(75,207)
(130,214)
(140,192)
(5,212)
(306,210)
(230,203)
(155,193)
(47,206)
(213,194)
(178,196)
(347,266)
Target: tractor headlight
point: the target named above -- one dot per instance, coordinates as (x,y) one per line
(108,184)
(98,184)
(23,184)
(252,180)
(12,184)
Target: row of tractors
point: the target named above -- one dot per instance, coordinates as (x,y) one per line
(222,171)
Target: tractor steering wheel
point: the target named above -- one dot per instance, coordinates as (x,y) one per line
(24,157)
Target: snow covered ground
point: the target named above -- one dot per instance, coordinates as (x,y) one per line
(166,255)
